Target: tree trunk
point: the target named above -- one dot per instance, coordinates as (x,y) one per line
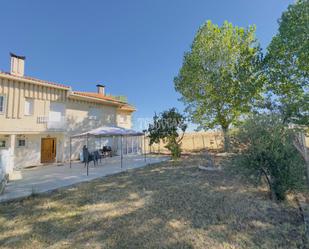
(226,139)
(271,189)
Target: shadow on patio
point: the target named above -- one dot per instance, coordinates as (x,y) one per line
(50,177)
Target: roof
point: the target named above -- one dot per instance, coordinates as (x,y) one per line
(98,96)
(128,107)
(94,96)
(27,78)
(107,131)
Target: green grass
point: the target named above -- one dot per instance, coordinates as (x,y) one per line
(168,205)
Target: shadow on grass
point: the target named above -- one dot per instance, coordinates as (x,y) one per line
(169,205)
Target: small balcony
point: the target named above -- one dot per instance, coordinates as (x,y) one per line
(54,123)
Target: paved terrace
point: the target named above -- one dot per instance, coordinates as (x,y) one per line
(49,177)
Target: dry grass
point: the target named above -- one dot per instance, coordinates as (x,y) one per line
(168,205)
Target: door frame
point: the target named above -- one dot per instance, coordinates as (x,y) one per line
(53,153)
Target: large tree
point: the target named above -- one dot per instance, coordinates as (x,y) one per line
(287,64)
(218,80)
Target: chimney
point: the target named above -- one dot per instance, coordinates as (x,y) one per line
(17,64)
(101,89)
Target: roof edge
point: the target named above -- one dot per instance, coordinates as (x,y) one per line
(120,105)
(74,94)
(33,81)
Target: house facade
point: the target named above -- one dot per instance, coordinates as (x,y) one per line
(38,117)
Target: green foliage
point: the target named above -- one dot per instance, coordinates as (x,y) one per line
(287,64)
(166,127)
(219,78)
(266,151)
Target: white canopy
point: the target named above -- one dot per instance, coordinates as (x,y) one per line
(109,131)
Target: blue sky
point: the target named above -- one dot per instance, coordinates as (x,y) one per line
(133,47)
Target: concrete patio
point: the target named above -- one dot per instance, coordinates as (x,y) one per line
(46,178)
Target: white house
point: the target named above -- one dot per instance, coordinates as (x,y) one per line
(37,117)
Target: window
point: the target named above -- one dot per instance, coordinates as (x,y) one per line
(56,117)
(94,113)
(29,104)
(21,142)
(2,143)
(57,112)
(2,104)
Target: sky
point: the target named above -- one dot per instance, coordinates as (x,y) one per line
(134,47)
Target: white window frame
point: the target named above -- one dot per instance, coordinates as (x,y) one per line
(57,111)
(31,106)
(4,104)
(21,146)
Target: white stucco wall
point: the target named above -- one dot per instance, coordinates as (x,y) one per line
(14,122)
(31,154)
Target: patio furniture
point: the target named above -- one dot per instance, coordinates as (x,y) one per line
(88,157)
(97,156)
(107,151)
(108,131)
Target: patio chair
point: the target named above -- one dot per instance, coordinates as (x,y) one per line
(88,157)
(97,156)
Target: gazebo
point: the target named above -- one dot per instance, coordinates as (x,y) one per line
(107,131)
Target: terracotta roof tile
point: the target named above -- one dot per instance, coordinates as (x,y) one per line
(128,108)
(98,96)
(124,105)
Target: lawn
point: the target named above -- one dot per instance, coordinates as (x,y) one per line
(167,205)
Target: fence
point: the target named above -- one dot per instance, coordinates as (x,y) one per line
(193,141)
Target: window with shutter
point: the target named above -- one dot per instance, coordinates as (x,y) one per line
(29,107)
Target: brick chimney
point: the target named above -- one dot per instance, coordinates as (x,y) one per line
(17,64)
(101,89)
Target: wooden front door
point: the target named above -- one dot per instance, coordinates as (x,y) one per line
(48,150)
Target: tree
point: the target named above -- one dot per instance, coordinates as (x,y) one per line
(266,151)
(287,64)
(166,127)
(218,80)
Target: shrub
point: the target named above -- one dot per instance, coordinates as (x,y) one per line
(166,127)
(265,150)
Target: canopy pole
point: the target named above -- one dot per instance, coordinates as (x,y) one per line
(121,150)
(126,145)
(145,153)
(132,145)
(87,140)
(114,145)
(70,152)
(88,152)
